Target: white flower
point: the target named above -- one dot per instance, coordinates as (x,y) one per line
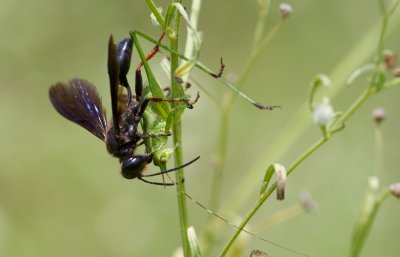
(323,113)
(286,10)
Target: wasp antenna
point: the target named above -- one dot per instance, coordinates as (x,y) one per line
(156,183)
(243,230)
(173,169)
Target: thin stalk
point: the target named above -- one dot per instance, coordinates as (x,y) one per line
(268,193)
(355,106)
(361,52)
(378,150)
(177,91)
(189,46)
(263,8)
(256,53)
(373,88)
(363,228)
(392,83)
(381,43)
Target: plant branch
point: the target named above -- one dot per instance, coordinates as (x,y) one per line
(300,121)
(177,92)
(340,122)
(268,193)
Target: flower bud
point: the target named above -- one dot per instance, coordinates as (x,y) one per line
(280,172)
(395,189)
(396,72)
(389,59)
(285,9)
(379,115)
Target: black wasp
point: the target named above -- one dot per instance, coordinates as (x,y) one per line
(79,102)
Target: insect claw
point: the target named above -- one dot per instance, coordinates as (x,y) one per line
(266,107)
(221,69)
(190,104)
(197,97)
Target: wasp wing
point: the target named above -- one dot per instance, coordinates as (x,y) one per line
(113,71)
(79,102)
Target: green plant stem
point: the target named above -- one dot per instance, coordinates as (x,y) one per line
(373,88)
(268,193)
(378,151)
(350,111)
(392,83)
(360,53)
(177,91)
(256,53)
(263,8)
(384,23)
(365,221)
(340,122)
(194,19)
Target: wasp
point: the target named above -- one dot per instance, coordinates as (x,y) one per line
(79,102)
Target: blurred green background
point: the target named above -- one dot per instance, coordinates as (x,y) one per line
(61,194)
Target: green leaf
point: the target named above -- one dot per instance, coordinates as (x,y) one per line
(358,72)
(169,15)
(267,178)
(156,12)
(317,81)
(193,242)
